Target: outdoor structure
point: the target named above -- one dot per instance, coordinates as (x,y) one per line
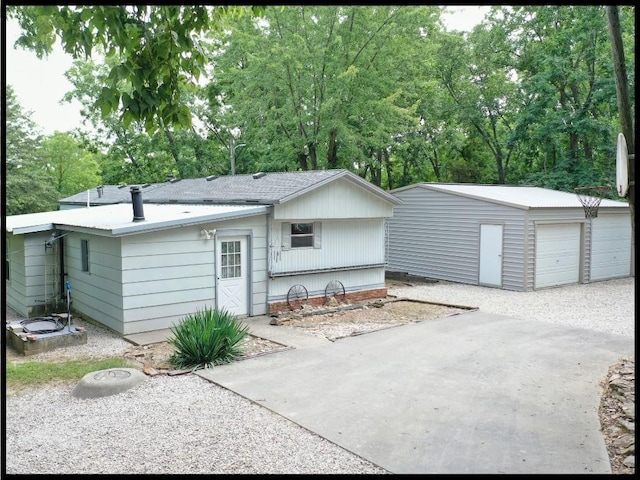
(512,237)
(140,258)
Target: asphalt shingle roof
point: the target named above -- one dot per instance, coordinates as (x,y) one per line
(260,189)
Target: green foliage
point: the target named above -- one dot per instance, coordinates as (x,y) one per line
(157,49)
(321,87)
(20,375)
(564,65)
(131,155)
(71,167)
(28,188)
(206,338)
(528,96)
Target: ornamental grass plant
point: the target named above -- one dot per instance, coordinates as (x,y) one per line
(206,338)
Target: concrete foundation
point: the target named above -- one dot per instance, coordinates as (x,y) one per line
(34,343)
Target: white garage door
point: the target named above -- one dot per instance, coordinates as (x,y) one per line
(557,254)
(610,247)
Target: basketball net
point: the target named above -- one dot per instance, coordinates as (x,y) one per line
(590,198)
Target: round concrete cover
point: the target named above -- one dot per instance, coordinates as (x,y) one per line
(108,382)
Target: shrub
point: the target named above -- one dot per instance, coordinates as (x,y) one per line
(206,338)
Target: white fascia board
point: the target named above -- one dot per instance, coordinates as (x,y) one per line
(31,229)
(141,227)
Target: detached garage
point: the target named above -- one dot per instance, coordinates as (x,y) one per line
(511,237)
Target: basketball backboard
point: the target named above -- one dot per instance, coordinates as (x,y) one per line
(622,166)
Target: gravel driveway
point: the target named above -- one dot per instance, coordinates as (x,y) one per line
(186,425)
(607,306)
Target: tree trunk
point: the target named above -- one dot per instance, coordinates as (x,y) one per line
(332,151)
(624,107)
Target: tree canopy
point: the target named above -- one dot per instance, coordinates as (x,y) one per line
(527,97)
(154,52)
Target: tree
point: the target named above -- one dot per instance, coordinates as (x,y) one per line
(72,169)
(624,104)
(566,118)
(476,73)
(157,49)
(28,188)
(322,87)
(132,156)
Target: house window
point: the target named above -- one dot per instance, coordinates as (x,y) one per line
(301,235)
(231,261)
(84,254)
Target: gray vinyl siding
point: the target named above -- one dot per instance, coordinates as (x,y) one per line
(344,244)
(353,281)
(171,274)
(98,292)
(339,199)
(34,280)
(436,235)
(15,287)
(151,281)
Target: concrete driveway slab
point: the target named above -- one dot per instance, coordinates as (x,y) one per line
(471,393)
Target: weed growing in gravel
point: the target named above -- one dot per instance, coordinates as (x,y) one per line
(206,338)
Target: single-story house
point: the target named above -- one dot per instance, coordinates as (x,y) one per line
(141,258)
(512,237)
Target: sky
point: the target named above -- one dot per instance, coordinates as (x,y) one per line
(40,84)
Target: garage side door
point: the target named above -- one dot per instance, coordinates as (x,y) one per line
(557,254)
(610,247)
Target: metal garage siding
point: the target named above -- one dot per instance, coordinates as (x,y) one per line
(557,254)
(610,247)
(436,235)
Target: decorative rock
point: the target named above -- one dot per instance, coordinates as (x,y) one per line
(618,416)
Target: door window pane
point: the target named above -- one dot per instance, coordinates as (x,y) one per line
(230,260)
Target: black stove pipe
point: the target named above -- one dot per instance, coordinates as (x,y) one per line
(136,199)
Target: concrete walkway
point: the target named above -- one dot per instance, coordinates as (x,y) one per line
(471,393)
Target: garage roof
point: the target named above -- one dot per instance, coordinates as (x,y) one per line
(117,220)
(523,197)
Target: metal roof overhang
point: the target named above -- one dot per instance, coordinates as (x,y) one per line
(131,228)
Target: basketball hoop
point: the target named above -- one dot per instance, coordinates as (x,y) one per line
(590,198)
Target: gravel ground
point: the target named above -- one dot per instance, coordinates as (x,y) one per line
(186,425)
(607,306)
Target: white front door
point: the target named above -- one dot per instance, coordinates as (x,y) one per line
(490,255)
(231,272)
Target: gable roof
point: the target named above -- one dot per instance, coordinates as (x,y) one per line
(117,220)
(522,197)
(255,189)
